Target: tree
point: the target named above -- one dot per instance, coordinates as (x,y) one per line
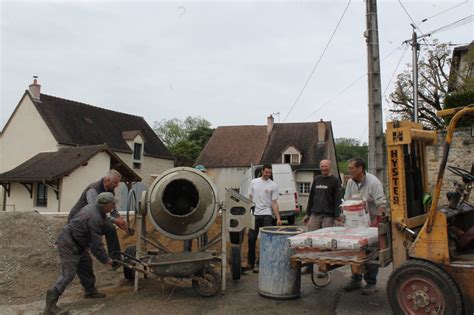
(347,148)
(184,138)
(433,79)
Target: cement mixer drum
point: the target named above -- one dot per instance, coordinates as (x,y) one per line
(182,203)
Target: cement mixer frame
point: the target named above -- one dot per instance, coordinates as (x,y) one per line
(170,201)
(183,184)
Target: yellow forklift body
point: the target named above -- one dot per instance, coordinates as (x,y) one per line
(419,236)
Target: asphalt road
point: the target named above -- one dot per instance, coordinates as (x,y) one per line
(241,297)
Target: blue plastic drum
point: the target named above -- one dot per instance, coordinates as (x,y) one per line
(277,280)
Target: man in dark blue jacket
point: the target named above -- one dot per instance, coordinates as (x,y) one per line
(81,234)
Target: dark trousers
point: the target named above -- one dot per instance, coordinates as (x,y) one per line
(260,221)
(188,244)
(113,245)
(73,261)
(370,275)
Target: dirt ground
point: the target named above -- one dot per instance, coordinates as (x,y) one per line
(29,266)
(29,262)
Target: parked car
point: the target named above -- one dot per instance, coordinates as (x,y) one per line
(282,175)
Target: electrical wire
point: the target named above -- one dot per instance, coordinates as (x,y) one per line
(442,12)
(394,71)
(461,22)
(317,63)
(412,20)
(350,84)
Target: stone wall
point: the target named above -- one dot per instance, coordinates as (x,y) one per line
(461,155)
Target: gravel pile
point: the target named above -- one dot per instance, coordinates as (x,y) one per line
(28,257)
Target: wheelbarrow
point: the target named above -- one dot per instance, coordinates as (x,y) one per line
(197,266)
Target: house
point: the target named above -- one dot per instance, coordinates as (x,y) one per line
(461,66)
(52,148)
(233,149)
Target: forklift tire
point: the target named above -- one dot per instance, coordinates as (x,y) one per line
(291,220)
(209,285)
(128,273)
(419,286)
(236,263)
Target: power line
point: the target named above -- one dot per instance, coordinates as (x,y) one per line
(412,20)
(442,12)
(394,71)
(466,20)
(351,84)
(317,63)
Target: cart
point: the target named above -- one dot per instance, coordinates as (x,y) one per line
(328,260)
(197,266)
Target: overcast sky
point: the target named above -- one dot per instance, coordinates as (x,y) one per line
(233,63)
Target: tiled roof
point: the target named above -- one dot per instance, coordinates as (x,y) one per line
(234,146)
(50,166)
(302,136)
(74,123)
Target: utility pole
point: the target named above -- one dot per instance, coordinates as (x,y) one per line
(377,159)
(414,45)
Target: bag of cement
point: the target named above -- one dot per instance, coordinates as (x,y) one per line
(298,241)
(355,213)
(356,238)
(314,239)
(336,238)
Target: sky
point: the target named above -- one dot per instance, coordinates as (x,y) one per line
(230,62)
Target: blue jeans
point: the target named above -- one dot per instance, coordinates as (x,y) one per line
(370,275)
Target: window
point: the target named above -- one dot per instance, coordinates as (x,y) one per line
(41,195)
(137,155)
(137,151)
(291,158)
(304,188)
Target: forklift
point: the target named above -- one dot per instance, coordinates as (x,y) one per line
(431,275)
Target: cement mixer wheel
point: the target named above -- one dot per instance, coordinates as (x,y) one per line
(209,282)
(128,273)
(421,287)
(236,263)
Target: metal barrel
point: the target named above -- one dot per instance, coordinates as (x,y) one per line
(277,280)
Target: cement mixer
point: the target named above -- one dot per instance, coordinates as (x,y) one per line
(182,205)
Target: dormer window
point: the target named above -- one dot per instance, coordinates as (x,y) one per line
(137,155)
(291,156)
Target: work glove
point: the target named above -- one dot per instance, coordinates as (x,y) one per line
(376,221)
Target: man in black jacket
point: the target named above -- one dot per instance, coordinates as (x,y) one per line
(106,184)
(81,234)
(324,199)
(323,202)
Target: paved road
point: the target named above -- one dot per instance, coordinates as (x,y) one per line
(241,298)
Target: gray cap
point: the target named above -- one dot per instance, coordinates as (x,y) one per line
(105,198)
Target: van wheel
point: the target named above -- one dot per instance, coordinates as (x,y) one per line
(291,220)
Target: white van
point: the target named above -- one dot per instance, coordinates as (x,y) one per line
(282,175)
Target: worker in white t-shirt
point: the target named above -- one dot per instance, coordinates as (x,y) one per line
(264,193)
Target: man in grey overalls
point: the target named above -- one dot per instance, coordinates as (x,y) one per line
(82,233)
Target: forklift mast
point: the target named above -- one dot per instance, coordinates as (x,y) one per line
(408,182)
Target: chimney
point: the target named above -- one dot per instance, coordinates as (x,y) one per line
(321,131)
(270,121)
(35,89)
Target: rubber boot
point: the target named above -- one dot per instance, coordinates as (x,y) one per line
(52,296)
(93,294)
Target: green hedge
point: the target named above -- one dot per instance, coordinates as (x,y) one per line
(459,99)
